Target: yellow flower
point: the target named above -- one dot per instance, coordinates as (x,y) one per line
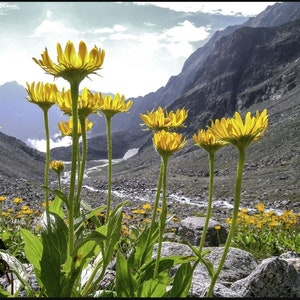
(17,200)
(147,206)
(138,211)
(87,103)
(66,128)
(260,207)
(71,66)
(160,119)
(207,140)
(57,166)
(166,143)
(239,133)
(42,94)
(2,198)
(110,106)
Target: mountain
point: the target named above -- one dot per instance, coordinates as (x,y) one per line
(238,67)
(243,68)
(20,161)
(273,15)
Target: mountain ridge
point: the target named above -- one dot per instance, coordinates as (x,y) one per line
(231,76)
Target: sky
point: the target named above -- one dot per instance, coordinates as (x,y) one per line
(145,43)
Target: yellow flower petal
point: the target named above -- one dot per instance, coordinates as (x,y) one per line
(42,94)
(110,106)
(166,143)
(239,133)
(162,119)
(72,66)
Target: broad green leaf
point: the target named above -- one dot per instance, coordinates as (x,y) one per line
(56,207)
(182,282)
(59,194)
(33,248)
(147,270)
(113,232)
(126,284)
(143,250)
(154,287)
(54,238)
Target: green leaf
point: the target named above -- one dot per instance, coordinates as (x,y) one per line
(80,221)
(126,284)
(95,236)
(113,232)
(54,238)
(154,287)
(56,207)
(33,248)
(59,194)
(182,281)
(143,251)
(147,270)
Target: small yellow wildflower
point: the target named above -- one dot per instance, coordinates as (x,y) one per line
(147,206)
(217,227)
(42,94)
(57,166)
(17,200)
(239,133)
(207,140)
(66,128)
(2,198)
(138,211)
(71,66)
(166,143)
(44,203)
(163,120)
(260,207)
(228,220)
(110,106)
(87,103)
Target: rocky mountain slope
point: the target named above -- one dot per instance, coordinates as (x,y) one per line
(241,69)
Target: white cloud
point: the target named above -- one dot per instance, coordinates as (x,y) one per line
(140,55)
(53,27)
(247,9)
(41,144)
(115,28)
(188,32)
(5,7)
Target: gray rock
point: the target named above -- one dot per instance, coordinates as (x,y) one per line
(274,277)
(192,227)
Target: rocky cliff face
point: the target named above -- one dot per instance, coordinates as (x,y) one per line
(177,86)
(245,68)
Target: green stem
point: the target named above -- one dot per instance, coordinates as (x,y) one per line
(59,182)
(238,189)
(74,94)
(163,215)
(208,212)
(154,212)
(47,166)
(81,167)
(109,175)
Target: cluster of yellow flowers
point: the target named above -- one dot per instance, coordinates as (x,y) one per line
(266,219)
(45,95)
(232,130)
(162,122)
(17,212)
